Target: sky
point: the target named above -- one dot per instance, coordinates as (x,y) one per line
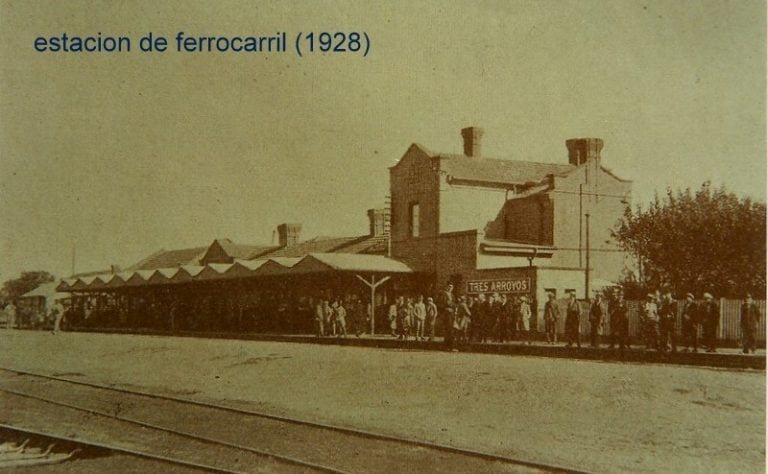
(120,155)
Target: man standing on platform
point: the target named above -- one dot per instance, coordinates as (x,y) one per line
(572,321)
(651,322)
(551,315)
(419,317)
(525,318)
(446,308)
(710,319)
(595,319)
(431,318)
(10,312)
(57,312)
(502,323)
(690,324)
(667,317)
(618,313)
(750,318)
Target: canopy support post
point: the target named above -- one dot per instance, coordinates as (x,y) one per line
(373,284)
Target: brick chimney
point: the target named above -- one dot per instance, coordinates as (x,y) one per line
(378,220)
(288,234)
(473,137)
(581,150)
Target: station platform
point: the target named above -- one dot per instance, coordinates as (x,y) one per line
(726,358)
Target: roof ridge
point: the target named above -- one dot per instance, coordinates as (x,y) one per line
(505,160)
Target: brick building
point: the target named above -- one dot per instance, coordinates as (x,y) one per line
(517,226)
(486,225)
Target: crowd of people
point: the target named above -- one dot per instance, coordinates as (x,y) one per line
(485,318)
(503,318)
(664,322)
(51,316)
(659,317)
(339,317)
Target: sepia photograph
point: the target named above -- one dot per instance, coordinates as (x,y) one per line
(490,236)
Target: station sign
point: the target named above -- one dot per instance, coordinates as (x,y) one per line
(503,285)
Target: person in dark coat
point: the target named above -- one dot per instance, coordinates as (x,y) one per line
(479,310)
(432,314)
(572,322)
(690,324)
(750,318)
(551,315)
(617,311)
(667,317)
(503,315)
(463,320)
(709,314)
(595,319)
(446,309)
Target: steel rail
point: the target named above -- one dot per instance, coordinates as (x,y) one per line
(143,424)
(117,449)
(314,424)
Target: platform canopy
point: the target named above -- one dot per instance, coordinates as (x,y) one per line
(314,263)
(47,291)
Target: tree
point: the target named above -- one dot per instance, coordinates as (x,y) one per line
(28,281)
(709,241)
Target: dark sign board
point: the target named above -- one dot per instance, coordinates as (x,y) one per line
(504,285)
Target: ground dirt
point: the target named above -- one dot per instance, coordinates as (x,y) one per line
(595,416)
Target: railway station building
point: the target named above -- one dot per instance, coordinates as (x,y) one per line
(484,225)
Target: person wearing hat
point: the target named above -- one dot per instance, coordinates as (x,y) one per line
(463,319)
(595,319)
(618,312)
(690,324)
(709,315)
(651,322)
(572,321)
(502,324)
(525,318)
(667,317)
(551,315)
(431,308)
(750,318)
(446,309)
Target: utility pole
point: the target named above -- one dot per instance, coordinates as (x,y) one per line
(73,259)
(586,270)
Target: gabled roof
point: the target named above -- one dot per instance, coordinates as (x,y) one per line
(312,263)
(171,258)
(489,170)
(244,251)
(355,262)
(318,244)
(45,290)
(370,244)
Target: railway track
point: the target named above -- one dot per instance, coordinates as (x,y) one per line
(96,456)
(231,439)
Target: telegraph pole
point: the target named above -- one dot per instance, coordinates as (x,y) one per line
(586,270)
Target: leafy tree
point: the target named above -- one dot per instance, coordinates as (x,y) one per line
(709,240)
(28,281)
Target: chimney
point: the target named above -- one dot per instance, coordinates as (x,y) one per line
(473,137)
(288,234)
(378,220)
(581,150)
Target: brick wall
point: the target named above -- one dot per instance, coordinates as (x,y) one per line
(530,219)
(415,179)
